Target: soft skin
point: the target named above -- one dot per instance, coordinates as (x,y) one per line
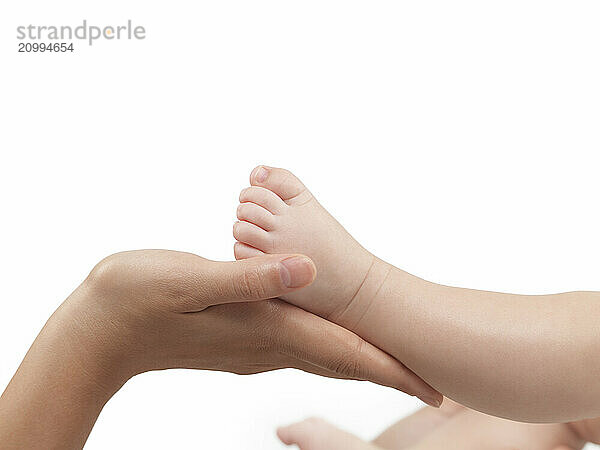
(451,427)
(154,309)
(523,357)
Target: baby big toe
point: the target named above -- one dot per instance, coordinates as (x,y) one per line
(280,181)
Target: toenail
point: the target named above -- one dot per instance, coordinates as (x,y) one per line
(261,174)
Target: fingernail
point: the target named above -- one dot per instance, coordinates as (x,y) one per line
(297,271)
(431,401)
(261,174)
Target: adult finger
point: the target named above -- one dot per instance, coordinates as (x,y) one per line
(257,278)
(309,338)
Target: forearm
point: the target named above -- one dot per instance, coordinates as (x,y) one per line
(156,309)
(529,358)
(61,386)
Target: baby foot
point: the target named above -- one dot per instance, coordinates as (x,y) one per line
(277,214)
(317,434)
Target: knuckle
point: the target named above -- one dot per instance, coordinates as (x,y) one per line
(350,364)
(250,285)
(106,272)
(269,327)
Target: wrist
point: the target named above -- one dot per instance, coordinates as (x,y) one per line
(62,384)
(91,342)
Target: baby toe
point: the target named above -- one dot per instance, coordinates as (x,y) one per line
(243,251)
(282,182)
(256,214)
(252,235)
(263,197)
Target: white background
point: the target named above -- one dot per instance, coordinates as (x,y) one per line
(458,140)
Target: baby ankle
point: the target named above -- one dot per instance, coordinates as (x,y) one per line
(351,315)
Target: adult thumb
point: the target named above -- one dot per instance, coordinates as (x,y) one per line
(258,278)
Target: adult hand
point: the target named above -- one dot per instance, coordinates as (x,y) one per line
(177,309)
(146,310)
